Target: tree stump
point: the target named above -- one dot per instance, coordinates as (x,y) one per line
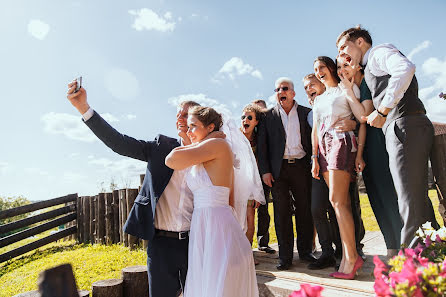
(108,288)
(29,294)
(84,293)
(135,281)
(58,282)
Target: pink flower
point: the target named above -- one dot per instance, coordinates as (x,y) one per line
(438,239)
(381,288)
(428,241)
(380,267)
(307,290)
(418,249)
(408,273)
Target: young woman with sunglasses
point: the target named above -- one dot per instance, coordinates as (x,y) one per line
(249,121)
(334,153)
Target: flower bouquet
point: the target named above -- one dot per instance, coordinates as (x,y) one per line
(415,272)
(307,290)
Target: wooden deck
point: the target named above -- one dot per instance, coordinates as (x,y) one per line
(281,283)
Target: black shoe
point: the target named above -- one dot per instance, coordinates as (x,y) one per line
(308,258)
(322,262)
(267,249)
(338,254)
(283,266)
(362,255)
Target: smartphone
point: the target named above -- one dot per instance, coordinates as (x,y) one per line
(79,83)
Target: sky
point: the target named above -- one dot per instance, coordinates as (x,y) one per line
(139,58)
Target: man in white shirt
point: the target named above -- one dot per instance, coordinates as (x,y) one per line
(391,79)
(284,150)
(163,208)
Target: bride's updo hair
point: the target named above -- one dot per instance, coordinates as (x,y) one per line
(207,115)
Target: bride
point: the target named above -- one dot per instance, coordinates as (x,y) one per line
(220,258)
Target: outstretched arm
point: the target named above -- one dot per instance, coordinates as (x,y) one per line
(183,157)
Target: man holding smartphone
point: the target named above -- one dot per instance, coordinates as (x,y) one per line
(156,215)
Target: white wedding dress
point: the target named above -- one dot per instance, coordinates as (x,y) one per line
(221,262)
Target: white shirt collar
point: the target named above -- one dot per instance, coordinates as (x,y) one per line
(283,110)
(366,57)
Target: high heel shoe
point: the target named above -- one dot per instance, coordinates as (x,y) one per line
(358,264)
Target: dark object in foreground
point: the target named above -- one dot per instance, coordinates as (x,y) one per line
(58,282)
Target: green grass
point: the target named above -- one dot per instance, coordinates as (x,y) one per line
(98,262)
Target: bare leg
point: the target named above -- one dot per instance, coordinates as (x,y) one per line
(338,184)
(250,213)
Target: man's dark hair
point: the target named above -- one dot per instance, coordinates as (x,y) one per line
(354,33)
(259,101)
(189,103)
(331,65)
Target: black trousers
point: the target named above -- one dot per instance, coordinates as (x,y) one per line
(263,219)
(327,226)
(167,266)
(294,178)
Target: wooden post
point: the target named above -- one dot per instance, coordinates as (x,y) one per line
(108,288)
(108,218)
(93,219)
(131,196)
(58,282)
(116,223)
(123,213)
(100,218)
(86,212)
(80,221)
(135,281)
(438,162)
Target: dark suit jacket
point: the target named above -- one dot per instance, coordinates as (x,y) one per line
(140,222)
(271,139)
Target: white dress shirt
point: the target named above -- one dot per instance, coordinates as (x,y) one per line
(386,59)
(291,124)
(174,208)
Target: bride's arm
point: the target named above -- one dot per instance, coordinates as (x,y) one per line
(183,157)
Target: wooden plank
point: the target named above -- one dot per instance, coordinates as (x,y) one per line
(100,218)
(116,223)
(79,221)
(131,196)
(36,206)
(92,219)
(108,218)
(35,219)
(123,215)
(86,222)
(36,230)
(36,244)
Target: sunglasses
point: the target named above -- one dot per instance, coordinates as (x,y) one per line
(283,89)
(249,117)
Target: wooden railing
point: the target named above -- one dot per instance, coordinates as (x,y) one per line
(57,217)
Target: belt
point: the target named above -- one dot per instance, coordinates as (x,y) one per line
(172,234)
(292,160)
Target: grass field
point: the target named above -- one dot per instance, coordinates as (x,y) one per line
(98,262)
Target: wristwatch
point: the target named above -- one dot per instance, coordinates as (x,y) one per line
(381,114)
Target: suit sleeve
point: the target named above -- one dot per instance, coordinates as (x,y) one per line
(120,143)
(262,148)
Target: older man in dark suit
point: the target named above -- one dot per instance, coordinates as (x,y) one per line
(284,151)
(163,209)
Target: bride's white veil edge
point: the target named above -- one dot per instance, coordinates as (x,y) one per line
(247,182)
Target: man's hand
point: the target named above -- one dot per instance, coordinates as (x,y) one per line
(345,125)
(78,99)
(268,179)
(375,119)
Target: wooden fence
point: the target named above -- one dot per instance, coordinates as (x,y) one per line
(48,220)
(87,219)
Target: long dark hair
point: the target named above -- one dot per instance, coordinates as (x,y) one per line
(331,65)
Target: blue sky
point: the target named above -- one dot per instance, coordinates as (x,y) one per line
(138,58)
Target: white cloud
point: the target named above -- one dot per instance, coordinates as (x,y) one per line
(73,177)
(131,167)
(69,125)
(435,69)
(203,100)
(38,29)
(122,84)
(236,67)
(147,19)
(109,118)
(3,167)
(130,116)
(424,45)
(36,171)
